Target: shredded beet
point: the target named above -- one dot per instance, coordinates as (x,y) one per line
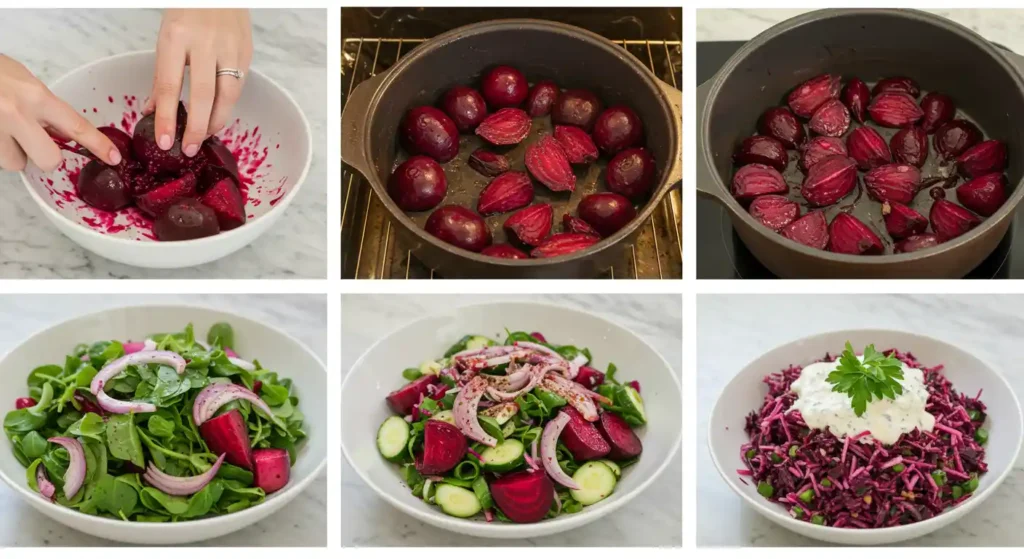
(849,484)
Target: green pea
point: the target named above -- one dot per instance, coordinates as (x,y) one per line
(975,415)
(750,454)
(940,477)
(797,512)
(807,496)
(981,435)
(971,484)
(792,451)
(776,458)
(818,519)
(898,468)
(957,492)
(826,483)
(765,489)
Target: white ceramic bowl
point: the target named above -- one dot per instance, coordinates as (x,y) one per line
(283,131)
(378,372)
(968,374)
(254,340)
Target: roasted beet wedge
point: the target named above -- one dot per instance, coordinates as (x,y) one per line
(582,438)
(155,202)
(272,468)
(444,446)
(620,436)
(185,220)
(223,197)
(216,153)
(402,400)
(227,434)
(589,377)
(524,497)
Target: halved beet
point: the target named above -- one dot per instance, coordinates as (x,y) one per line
(146,150)
(620,436)
(227,434)
(590,377)
(103,187)
(272,468)
(155,202)
(524,497)
(185,220)
(582,439)
(402,400)
(217,154)
(221,195)
(444,446)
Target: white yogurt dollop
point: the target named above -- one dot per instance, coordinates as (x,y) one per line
(886,419)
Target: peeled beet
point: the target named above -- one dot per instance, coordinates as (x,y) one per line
(217,154)
(504,86)
(620,436)
(582,438)
(122,141)
(146,150)
(465,106)
(102,187)
(606,212)
(271,469)
(186,219)
(444,446)
(576,107)
(402,400)
(155,202)
(223,197)
(418,184)
(428,131)
(589,377)
(524,497)
(459,226)
(227,434)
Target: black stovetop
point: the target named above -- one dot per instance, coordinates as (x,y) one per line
(722,255)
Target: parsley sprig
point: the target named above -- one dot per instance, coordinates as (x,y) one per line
(876,377)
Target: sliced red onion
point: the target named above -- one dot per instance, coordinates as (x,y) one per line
(149,345)
(548,441)
(118,366)
(489,351)
(573,393)
(215,395)
(181,486)
(112,405)
(46,489)
(558,504)
(464,410)
(238,362)
(512,381)
(571,368)
(536,373)
(75,475)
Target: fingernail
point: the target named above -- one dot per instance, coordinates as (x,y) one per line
(115,157)
(164,142)
(191,150)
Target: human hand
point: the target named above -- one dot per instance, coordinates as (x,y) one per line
(30,112)
(206,41)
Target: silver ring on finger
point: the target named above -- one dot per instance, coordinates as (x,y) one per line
(233,72)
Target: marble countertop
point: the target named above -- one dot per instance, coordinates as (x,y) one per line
(1000,26)
(300,523)
(736,329)
(654,518)
(290,47)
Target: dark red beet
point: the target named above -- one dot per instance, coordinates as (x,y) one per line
(86,405)
(954,137)
(223,197)
(755,179)
(444,446)
(618,128)
(579,148)
(987,157)
(542,98)
(910,146)
(582,438)
(810,230)
(856,97)
(504,251)
(774,211)
(22,403)
(530,225)
(465,106)
(950,220)
(155,202)
(186,219)
(764,150)
(817,149)
(428,131)
(589,377)
(216,153)
(146,150)
(631,173)
(504,86)
(524,497)
(635,384)
(607,212)
(831,119)
(459,226)
(539,337)
(102,187)
(813,93)
(902,221)
(620,436)
(418,184)
(122,141)
(228,434)
(571,224)
(849,235)
(917,242)
(576,107)
(402,400)
(899,84)
(271,469)
(938,110)
(983,195)
(780,123)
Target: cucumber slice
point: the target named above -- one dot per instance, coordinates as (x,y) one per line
(634,402)
(504,457)
(456,501)
(430,367)
(501,412)
(392,438)
(596,481)
(444,415)
(613,467)
(479,342)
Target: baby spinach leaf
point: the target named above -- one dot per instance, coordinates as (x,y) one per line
(40,375)
(23,421)
(412,373)
(201,503)
(33,445)
(549,399)
(160,502)
(221,334)
(30,475)
(160,427)
(274,395)
(455,348)
(90,426)
(123,439)
(230,471)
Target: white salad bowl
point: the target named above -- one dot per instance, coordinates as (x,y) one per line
(746,393)
(379,372)
(274,349)
(103,90)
